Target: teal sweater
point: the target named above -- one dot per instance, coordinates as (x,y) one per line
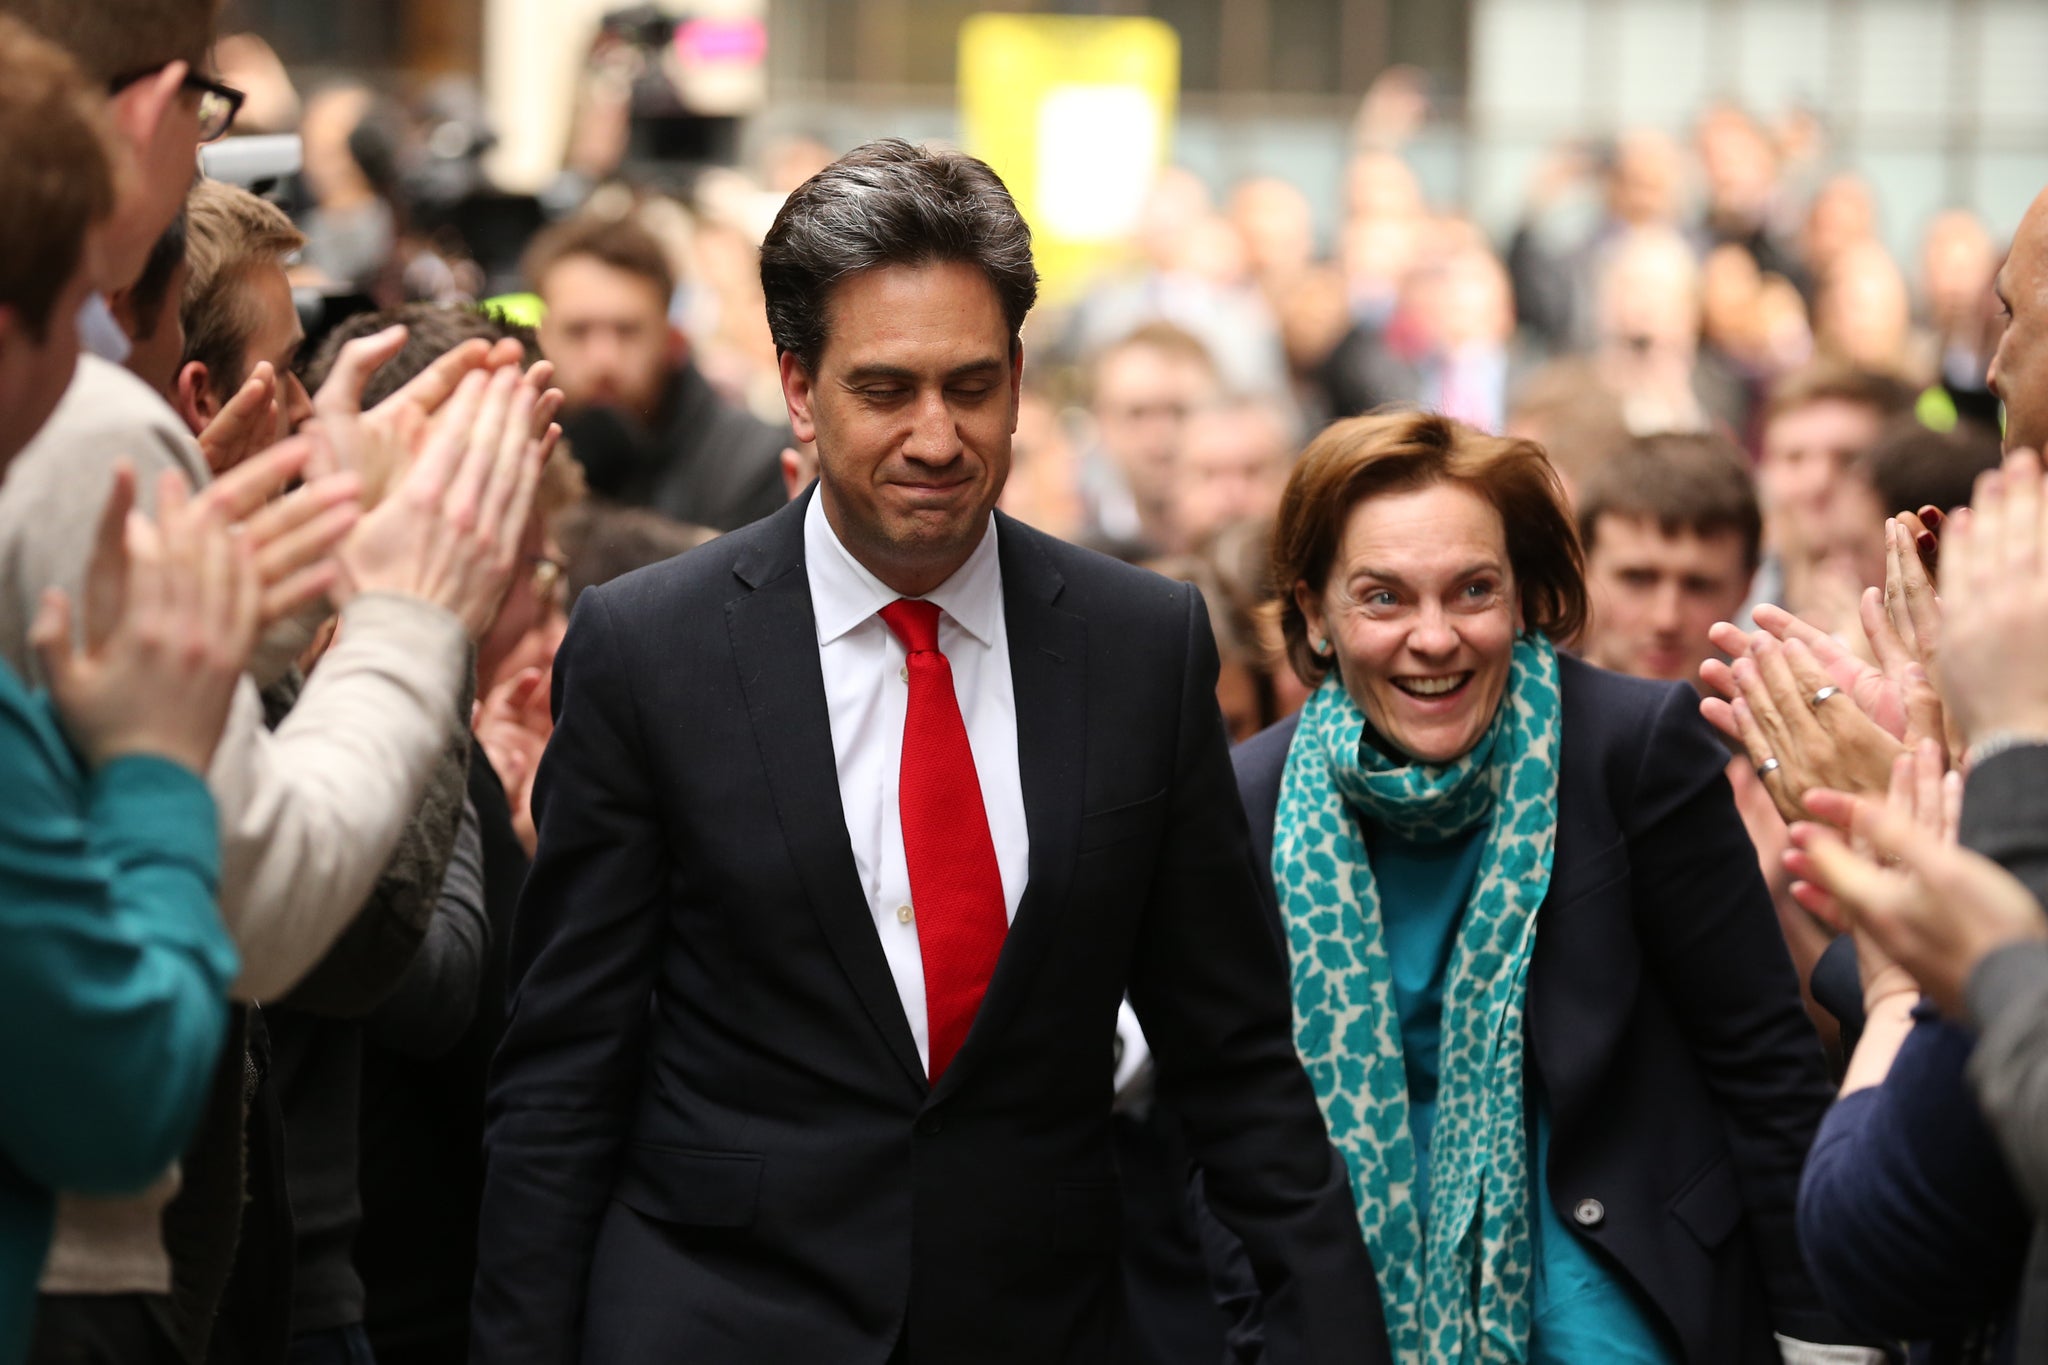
(114,970)
(1582,1310)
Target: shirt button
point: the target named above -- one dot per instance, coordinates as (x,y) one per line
(904,673)
(1589,1213)
(903,914)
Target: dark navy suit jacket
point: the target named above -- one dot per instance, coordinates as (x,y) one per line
(710,1138)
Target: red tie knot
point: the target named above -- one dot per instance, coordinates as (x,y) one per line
(915,622)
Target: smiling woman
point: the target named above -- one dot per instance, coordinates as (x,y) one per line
(1520,905)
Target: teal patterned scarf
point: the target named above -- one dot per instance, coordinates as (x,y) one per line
(1462,1295)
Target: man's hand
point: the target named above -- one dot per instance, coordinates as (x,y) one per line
(512,725)
(1933,908)
(1993,663)
(380,443)
(170,619)
(293,537)
(245,424)
(449,532)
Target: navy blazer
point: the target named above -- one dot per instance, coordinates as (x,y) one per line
(710,1137)
(1684,1079)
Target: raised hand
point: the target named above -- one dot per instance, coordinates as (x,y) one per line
(513,737)
(1865,683)
(380,443)
(1799,728)
(171,614)
(246,423)
(1935,909)
(1992,667)
(293,537)
(449,531)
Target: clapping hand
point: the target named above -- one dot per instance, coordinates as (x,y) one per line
(245,424)
(1909,893)
(1992,666)
(380,443)
(449,531)
(170,615)
(292,537)
(512,724)
(1799,727)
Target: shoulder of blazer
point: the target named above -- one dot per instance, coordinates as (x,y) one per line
(1607,718)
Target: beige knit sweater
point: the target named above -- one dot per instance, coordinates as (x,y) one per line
(309,813)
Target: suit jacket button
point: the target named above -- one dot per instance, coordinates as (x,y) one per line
(1589,1213)
(930,1125)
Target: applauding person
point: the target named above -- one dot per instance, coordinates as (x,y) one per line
(113,962)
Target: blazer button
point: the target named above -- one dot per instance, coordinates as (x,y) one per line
(1589,1213)
(931,1125)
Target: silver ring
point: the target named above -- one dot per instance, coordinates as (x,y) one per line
(1767,767)
(1823,695)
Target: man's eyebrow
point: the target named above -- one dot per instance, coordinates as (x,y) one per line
(862,374)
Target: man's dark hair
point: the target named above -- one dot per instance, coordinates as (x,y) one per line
(621,243)
(1694,482)
(152,289)
(57,179)
(116,39)
(603,540)
(890,203)
(432,330)
(1912,466)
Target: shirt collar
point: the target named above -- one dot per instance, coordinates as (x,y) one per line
(844,593)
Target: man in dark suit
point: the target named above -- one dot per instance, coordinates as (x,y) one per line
(856,827)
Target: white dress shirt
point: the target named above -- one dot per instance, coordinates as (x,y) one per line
(866,692)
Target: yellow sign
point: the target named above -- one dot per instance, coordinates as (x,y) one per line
(1076,114)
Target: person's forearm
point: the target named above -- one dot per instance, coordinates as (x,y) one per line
(1886,1022)
(384,940)
(112,985)
(436,998)
(312,813)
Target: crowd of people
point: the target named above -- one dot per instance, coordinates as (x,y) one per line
(1409,799)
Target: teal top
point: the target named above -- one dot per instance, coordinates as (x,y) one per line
(1581,1310)
(114,971)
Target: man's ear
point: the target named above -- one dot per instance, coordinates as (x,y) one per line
(797,392)
(138,110)
(121,303)
(1016,381)
(192,396)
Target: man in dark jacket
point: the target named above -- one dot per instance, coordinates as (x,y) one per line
(647,425)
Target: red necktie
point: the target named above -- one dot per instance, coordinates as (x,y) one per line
(956,887)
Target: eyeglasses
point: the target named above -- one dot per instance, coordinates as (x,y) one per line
(218,104)
(549,578)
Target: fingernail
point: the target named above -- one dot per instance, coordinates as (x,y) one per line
(1927,543)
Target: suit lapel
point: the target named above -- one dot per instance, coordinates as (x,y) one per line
(1048,670)
(775,643)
